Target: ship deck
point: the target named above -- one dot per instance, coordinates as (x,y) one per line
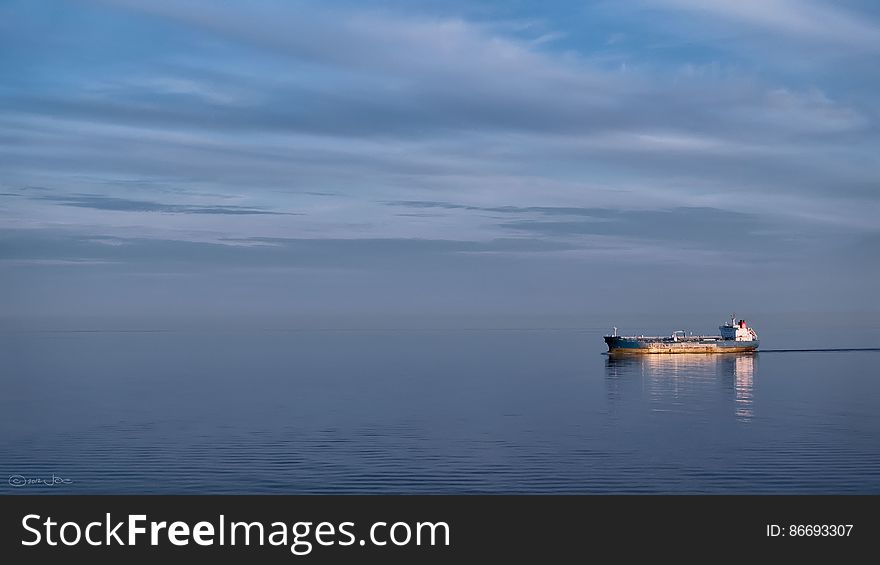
(669,339)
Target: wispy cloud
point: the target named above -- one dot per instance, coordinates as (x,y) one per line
(811,19)
(117,204)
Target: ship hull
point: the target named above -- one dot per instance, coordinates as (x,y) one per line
(619,345)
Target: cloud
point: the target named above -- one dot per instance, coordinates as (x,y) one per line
(60,248)
(117,204)
(678,228)
(700,226)
(377,74)
(498,209)
(809,19)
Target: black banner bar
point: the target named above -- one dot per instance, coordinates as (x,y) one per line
(318,528)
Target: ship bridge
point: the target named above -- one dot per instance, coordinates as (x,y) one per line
(737,330)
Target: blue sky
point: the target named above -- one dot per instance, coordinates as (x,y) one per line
(431,158)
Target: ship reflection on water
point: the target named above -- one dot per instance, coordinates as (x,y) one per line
(685,382)
(744,385)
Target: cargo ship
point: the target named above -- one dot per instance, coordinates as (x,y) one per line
(736,337)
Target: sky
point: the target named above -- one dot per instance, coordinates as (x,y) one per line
(312,160)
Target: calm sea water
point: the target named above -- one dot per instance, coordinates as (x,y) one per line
(428,411)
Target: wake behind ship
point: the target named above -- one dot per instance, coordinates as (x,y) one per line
(736,337)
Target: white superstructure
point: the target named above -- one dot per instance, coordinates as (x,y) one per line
(737,331)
